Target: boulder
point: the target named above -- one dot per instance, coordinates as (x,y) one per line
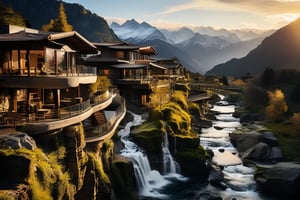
(270,139)
(282,179)
(244,141)
(260,152)
(16,141)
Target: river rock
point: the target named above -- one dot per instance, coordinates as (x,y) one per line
(244,141)
(257,146)
(16,141)
(270,139)
(282,179)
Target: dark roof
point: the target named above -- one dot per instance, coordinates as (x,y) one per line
(35,40)
(107,44)
(124,47)
(128,66)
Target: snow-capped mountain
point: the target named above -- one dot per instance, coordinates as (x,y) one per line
(199,49)
(133,32)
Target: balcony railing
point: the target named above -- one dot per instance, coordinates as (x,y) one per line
(103,129)
(79,70)
(13,119)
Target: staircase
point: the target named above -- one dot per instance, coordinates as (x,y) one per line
(99,118)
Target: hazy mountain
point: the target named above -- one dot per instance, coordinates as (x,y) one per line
(208,54)
(133,32)
(221,33)
(279,51)
(88,24)
(166,50)
(203,50)
(175,37)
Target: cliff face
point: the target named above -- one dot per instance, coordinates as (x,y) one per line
(61,165)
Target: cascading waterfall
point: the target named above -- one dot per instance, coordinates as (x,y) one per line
(170,165)
(149,181)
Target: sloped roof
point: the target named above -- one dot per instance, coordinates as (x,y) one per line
(128,66)
(148,50)
(30,40)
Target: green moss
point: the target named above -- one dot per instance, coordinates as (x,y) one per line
(180,98)
(99,167)
(149,127)
(177,118)
(46,176)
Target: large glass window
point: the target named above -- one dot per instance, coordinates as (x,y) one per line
(49,66)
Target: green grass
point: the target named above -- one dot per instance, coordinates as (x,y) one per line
(289,139)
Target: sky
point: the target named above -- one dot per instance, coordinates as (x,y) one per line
(228,14)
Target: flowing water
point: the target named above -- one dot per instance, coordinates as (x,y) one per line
(150,182)
(238,178)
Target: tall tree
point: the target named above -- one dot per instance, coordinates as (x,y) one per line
(9,16)
(60,24)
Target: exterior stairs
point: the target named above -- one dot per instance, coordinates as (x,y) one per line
(99,118)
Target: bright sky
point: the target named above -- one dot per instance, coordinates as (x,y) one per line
(229,14)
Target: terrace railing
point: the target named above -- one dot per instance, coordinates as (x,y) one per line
(13,119)
(103,129)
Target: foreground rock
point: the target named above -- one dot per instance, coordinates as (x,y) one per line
(262,147)
(282,179)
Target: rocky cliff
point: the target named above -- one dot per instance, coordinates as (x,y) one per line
(60,165)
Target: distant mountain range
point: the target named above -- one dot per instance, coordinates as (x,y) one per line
(88,24)
(199,49)
(281,50)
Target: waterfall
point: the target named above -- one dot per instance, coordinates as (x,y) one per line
(149,181)
(170,165)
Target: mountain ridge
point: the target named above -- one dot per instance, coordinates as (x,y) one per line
(280,50)
(205,51)
(88,24)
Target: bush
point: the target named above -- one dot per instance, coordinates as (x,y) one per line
(277,106)
(295,119)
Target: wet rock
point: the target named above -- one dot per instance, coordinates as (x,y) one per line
(270,139)
(282,179)
(216,177)
(209,196)
(257,146)
(16,141)
(221,150)
(260,151)
(244,141)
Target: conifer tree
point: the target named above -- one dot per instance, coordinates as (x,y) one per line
(9,16)
(60,24)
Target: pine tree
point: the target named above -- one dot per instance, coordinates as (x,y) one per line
(60,24)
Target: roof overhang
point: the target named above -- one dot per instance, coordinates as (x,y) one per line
(128,66)
(158,66)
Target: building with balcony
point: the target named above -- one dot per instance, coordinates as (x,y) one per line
(44,85)
(134,70)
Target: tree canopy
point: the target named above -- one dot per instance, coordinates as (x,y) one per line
(9,16)
(60,24)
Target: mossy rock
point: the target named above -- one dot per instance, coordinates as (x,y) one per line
(192,162)
(123,179)
(186,142)
(149,141)
(149,136)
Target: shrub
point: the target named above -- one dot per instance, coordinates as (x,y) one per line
(295,119)
(277,106)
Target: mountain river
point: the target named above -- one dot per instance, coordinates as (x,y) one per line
(170,185)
